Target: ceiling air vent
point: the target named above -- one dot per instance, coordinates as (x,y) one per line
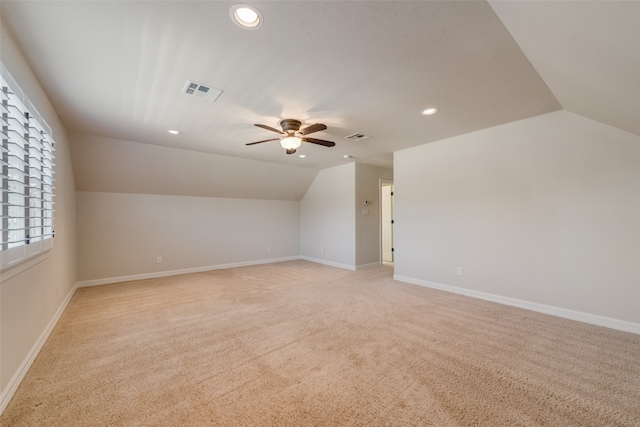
(356,137)
(198,90)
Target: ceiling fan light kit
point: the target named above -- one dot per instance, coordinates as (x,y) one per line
(293,137)
(290,142)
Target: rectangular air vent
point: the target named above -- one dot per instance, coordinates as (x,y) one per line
(198,90)
(356,137)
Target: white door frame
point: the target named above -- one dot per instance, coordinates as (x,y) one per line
(383,183)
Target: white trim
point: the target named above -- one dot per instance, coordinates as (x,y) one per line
(12,386)
(381,183)
(331,263)
(593,319)
(119,279)
(366,266)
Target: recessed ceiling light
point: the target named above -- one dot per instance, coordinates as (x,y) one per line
(174,132)
(302,156)
(430,111)
(245,16)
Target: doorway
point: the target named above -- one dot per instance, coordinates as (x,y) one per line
(386,221)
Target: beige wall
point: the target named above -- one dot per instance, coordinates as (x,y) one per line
(121,235)
(327,218)
(368,226)
(333,229)
(544,210)
(29,300)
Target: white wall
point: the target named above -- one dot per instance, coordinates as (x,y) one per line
(30,300)
(120,235)
(327,218)
(544,210)
(368,226)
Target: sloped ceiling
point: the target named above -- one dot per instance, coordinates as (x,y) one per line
(114,71)
(587,52)
(112,165)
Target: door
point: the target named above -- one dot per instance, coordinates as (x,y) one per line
(387,221)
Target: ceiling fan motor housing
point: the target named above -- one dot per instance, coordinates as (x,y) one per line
(292,125)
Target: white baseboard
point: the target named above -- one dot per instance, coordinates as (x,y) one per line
(330,263)
(108,280)
(12,386)
(607,322)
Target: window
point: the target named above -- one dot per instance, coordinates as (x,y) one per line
(26,189)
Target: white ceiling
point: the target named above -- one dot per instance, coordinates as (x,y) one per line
(115,69)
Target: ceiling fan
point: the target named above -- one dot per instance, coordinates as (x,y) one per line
(292,136)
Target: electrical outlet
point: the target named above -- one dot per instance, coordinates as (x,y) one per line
(158,260)
(268,248)
(321,249)
(459,271)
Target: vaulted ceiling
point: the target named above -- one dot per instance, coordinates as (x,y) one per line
(114,70)
(587,52)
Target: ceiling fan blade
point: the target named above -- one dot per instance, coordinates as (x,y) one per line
(313,128)
(319,142)
(270,128)
(264,140)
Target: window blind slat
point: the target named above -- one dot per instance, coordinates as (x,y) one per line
(26,185)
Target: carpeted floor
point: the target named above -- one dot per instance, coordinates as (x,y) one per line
(302,344)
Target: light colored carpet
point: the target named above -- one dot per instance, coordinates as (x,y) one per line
(302,344)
